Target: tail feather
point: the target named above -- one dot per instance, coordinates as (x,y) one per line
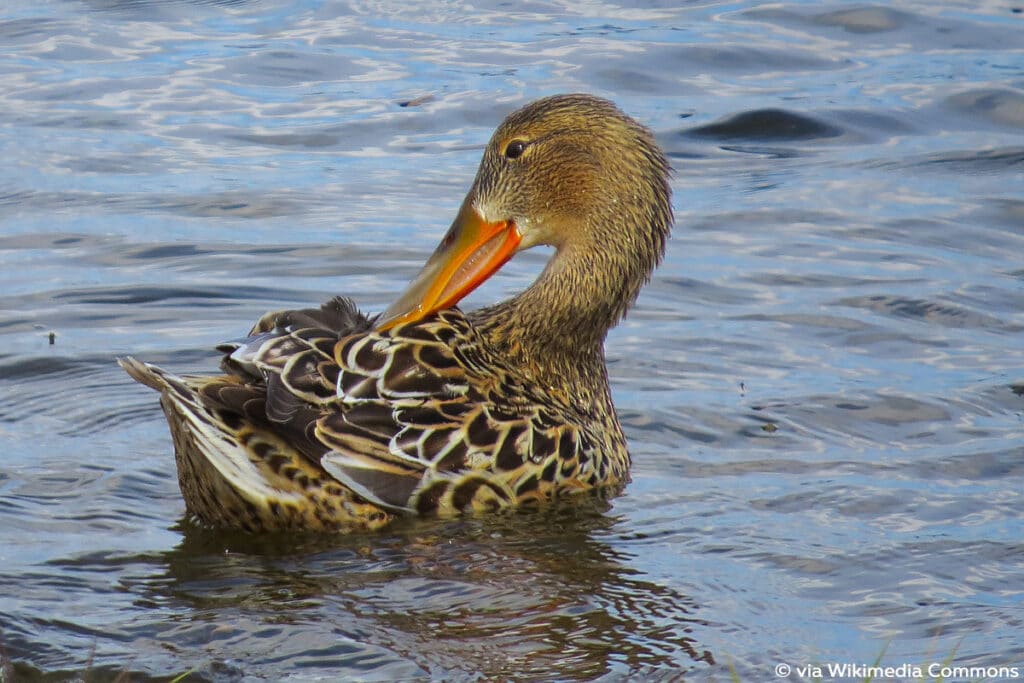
(208,433)
(144,373)
(235,472)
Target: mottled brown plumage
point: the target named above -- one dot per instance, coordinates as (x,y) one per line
(327,420)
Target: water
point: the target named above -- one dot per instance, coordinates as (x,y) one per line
(823,386)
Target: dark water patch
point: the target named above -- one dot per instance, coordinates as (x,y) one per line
(932,312)
(240,204)
(895,507)
(859,422)
(320,260)
(940,237)
(164,251)
(121,164)
(259,263)
(996,397)
(52,495)
(148,295)
(995,300)
(774,466)
(419,130)
(102,421)
(417,101)
(865,19)
(818,280)
(243,204)
(702,291)
(742,220)
(677,153)
(863,126)
(767,125)
(975,162)
(13,324)
(1000,106)
(135,5)
(73,397)
(15,368)
(687,61)
(61,241)
(88,671)
(1009,213)
(650,428)
(633,81)
(874,25)
(66,94)
(759,427)
(966,468)
(884,342)
(270,68)
(90,121)
(781,153)
(28,30)
(600,30)
(315,140)
(820,323)
(938,586)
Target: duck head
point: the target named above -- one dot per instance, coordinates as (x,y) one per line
(569,171)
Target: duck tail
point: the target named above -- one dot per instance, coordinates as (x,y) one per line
(144,373)
(234,471)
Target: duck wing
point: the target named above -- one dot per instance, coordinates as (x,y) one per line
(417,418)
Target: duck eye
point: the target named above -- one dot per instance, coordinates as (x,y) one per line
(515,149)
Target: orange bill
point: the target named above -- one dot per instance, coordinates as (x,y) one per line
(471,251)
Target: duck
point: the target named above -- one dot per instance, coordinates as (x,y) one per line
(329,420)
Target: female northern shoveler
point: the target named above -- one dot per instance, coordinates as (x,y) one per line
(329,420)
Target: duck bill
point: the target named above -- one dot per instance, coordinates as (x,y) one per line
(471,251)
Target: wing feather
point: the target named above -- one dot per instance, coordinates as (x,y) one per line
(415,418)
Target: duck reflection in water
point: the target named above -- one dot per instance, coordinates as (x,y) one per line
(541,594)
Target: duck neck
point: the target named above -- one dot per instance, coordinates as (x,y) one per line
(556,328)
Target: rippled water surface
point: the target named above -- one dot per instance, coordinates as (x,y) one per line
(822,386)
